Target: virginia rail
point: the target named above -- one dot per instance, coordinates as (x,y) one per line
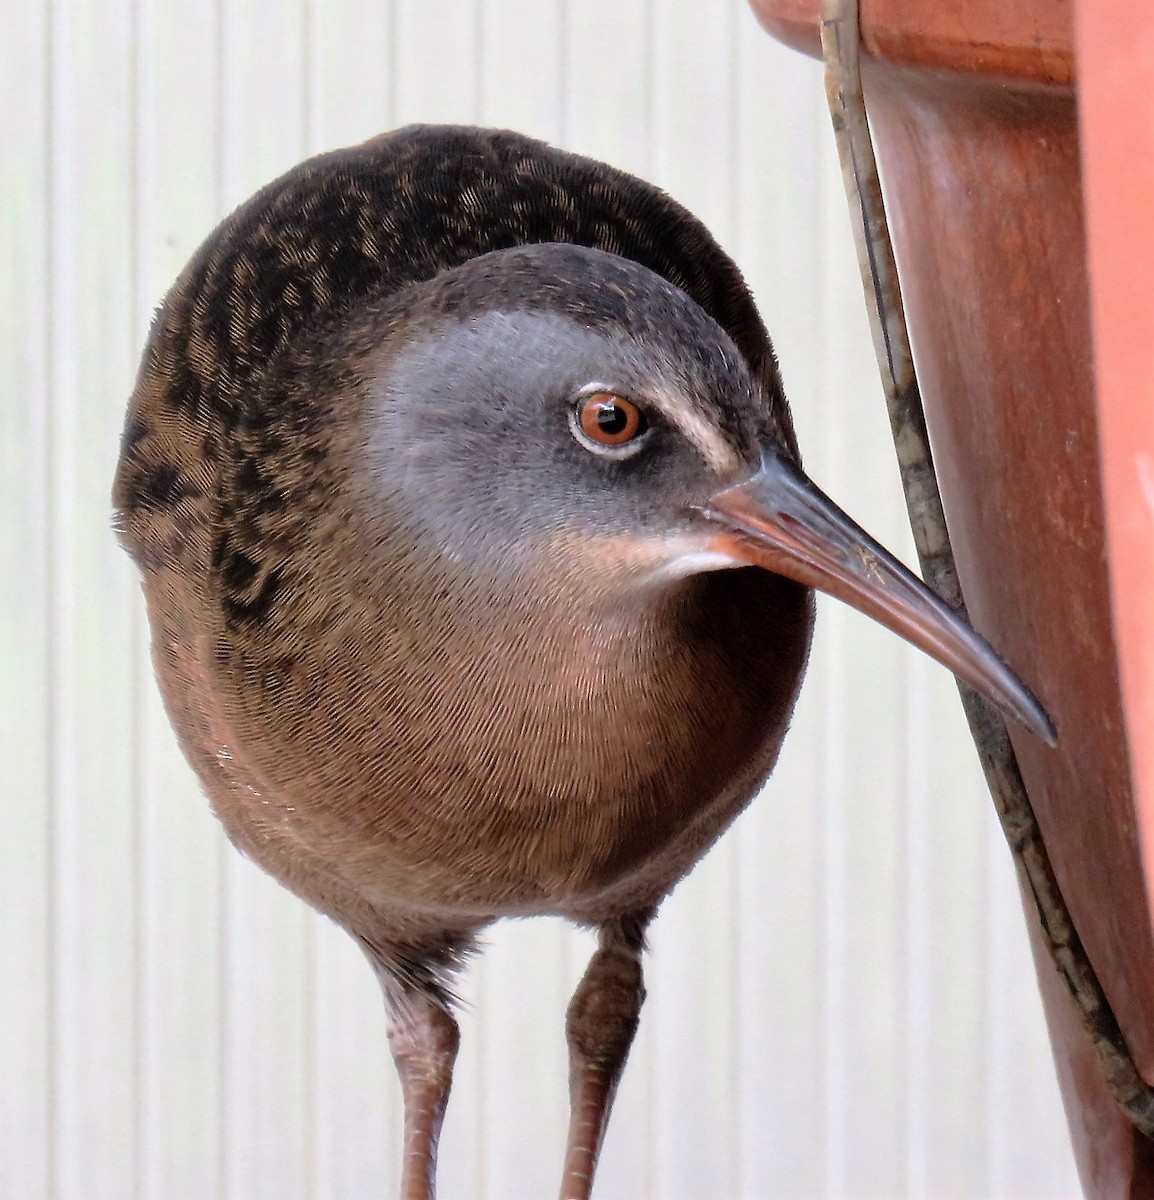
(478,556)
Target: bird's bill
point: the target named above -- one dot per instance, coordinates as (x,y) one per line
(780,521)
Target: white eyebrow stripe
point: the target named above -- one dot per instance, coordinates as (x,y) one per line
(709,441)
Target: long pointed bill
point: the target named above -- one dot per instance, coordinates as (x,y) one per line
(780,521)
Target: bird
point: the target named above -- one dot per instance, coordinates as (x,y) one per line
(479,563)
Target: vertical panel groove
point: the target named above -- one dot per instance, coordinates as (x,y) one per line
(135,697)
(915,933)
(54,663)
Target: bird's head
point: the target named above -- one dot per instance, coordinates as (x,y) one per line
(558,411)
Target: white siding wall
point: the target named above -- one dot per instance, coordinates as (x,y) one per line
(841,999)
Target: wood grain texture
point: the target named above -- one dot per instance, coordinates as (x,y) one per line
(1116,49)
(1026,450)
(1012,39)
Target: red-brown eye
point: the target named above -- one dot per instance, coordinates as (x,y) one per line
(606,421)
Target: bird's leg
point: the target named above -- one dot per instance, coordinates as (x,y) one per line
(600,1025)
(423,1038)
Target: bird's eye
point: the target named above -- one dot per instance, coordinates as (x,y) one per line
(608,423)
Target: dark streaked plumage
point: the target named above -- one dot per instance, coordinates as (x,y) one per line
(439,654)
